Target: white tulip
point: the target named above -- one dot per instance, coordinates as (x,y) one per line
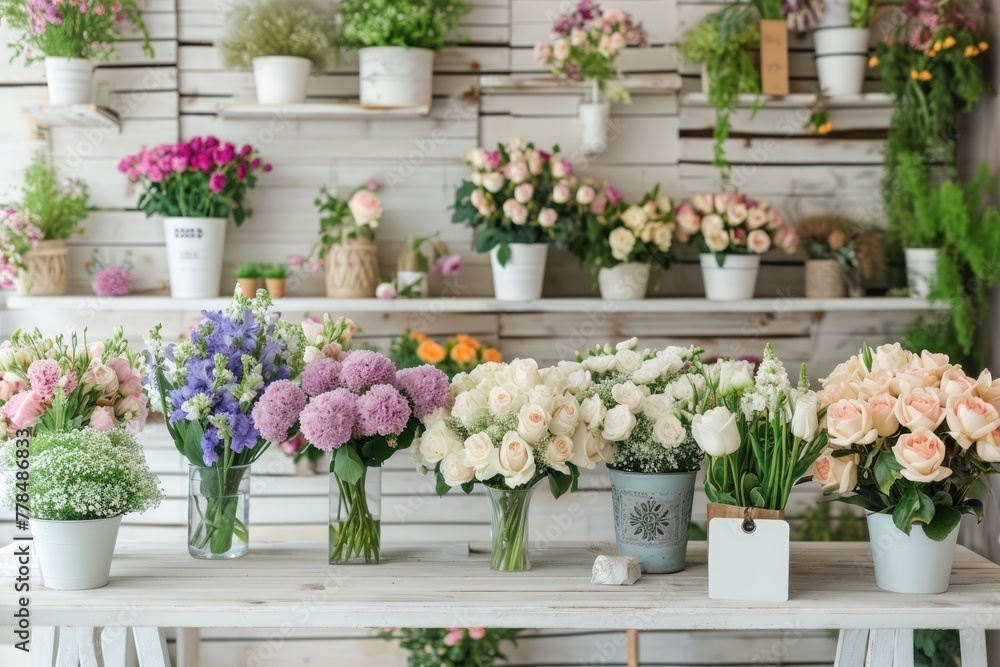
(716,432)
(805,419)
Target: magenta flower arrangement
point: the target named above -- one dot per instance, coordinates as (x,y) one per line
(363,410)
(203,178)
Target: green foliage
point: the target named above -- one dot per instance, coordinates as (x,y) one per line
(248,270)
(821,524)
(427,24)
(256,28)
(82,475)
(722,42)
(275,271)
(58,206)
(860,12)
(937,648)
(337,223)
(69,30)
(427,648)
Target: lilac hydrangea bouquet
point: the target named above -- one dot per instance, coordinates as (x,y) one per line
(364,410)
(207,387)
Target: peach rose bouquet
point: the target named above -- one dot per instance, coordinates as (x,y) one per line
(732,223)
(909,435)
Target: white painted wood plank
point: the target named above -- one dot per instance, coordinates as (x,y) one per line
(852,645)
(44,642)
(973,647)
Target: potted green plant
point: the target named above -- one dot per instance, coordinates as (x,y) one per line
(248,276)
(396,41)
(283,41)
(70,37)
(346,243)
(81,483)
(57,206)
(831,243)
(841,38)
(275,276)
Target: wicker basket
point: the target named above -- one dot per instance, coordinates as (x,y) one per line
(352,270)
(46,270)
(824,279)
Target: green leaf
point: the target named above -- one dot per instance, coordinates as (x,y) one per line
(946,519)
(972,506)
(347,464)
(757,498)
(887,471)
(942,499)
(468,487)
(559,483)
(926,510)
(503,254)
(191,445)
(907,506)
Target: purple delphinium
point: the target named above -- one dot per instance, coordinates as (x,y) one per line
(320,376)
(364,368)
(112,280)
(382,411)
(426,386)
(278,410)
(328,420)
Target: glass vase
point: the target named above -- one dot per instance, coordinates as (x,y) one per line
(356,518)
(218,511)
(509,529)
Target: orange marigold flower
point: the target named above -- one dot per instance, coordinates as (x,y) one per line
(418,336)
(463,353)
(492,354)
(970,51)
(873,61)
(430,352)
(983,46)
(926,76)
(949,42)
(914,74)
(468,340)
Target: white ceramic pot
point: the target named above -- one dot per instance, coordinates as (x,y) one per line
(281,79)
(911,563)
(624,282)
(69,80)
(194,255)
(921,270)
(394,77)
(594,126)
(75,555)
(735,280)
(405,279)
(522,277)
(841,59)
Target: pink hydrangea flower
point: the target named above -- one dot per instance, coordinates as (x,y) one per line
(382,411)
(43,378)
(112,280)
(328,420)
(427,388)
(278,410)
(363,368)
(320,376)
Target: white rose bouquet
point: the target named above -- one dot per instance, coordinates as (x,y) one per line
(731,223)
(761,434)
(510,426)
(909,436)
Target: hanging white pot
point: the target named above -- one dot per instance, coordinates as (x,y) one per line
(921,269)
(594,118)
(281,79)
(75,555)
(394,77)
(736,279)
(194,255)
(841,59)
(522,277)
(68,80)
(624,282)
(911,563)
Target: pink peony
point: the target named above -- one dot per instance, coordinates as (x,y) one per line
(385,291)
(23,410)
(328,420)
(278,410)
(320,376)
(293,446)
(453,638)
(365,207)
(382,411)
(103,419)
(477,633)
(217,182)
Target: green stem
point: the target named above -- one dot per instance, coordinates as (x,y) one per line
(355,534)
(510,526)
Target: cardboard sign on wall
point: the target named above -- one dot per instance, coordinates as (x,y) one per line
(774,57)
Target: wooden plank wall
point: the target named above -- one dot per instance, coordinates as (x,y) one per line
(660,139)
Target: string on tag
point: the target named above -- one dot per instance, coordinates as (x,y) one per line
(748,523)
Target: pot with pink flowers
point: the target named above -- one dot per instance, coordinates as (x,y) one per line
(195,186)
(732,231)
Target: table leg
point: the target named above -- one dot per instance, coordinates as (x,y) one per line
(973,647)
(43,646)
(188,647)
(890,648)
(851,648)
(152,647)
(632,639)
(114,644)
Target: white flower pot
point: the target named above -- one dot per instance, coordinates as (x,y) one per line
(736,279)
(624,282)
(395,77)
(921,270)
(69,80)
(841,59)
(281,79)
(194,255)
(594,126)
(405,279)
(75,555)
(911,563)
(521,279)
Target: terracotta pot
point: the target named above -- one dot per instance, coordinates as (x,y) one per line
(352,270)
(824,279)
(723,511)
(46,271)
(275,287)
(248,286)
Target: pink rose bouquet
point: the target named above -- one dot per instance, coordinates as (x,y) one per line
(19,233)
(732,223)
(201,178)
(362,409)
(52,385)
(517,194)
(909,435)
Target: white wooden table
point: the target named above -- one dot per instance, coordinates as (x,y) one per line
(832,586)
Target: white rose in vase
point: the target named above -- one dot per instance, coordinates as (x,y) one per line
(628,361)
(589,448)
(524,374)
(565,417)
(602,363)
(505,398)
(658,405)
(454,471)
(592,412)
(532,423)
(514,459)
(629,395)
(469,403)
(618,423)
(438,441)
(476,454)
(559,451)
(578,380)
(669,431)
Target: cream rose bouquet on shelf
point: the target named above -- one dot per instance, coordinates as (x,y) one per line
(910,435)
(510,426)
(732,223)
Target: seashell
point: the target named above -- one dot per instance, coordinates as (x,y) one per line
(615,570)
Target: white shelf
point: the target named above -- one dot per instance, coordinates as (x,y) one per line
(480,305)
(73,115)
(864,100)
(490,83)
(313,111)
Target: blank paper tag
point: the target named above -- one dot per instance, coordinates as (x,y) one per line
(748,565)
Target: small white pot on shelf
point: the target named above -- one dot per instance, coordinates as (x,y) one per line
(395,77)
(921,270)
(912,563)
(624,282)
(735,280)
(841,59)
(281,79)
(75,555)
(69,80)
(522,277)
(194,255)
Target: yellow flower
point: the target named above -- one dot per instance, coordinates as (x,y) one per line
(914,74)
(825,128)
(926,76)
(949,42)
(930,53)
(970,51)
(983,46)
(873,61)
(937,45)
